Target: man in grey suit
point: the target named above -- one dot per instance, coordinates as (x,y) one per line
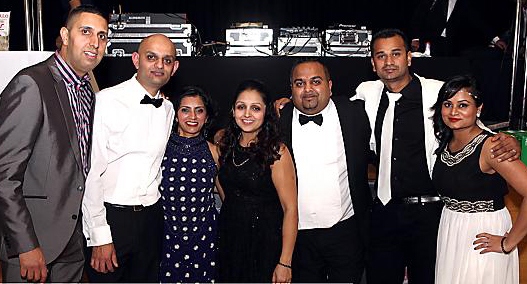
(45,132)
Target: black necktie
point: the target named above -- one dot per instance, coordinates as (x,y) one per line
(148,100)
(303,119)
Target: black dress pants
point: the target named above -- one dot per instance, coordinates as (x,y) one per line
(403,235)
(331,255)
(137,240)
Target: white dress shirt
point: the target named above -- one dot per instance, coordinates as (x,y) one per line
(371,91)
(451,5)
(129,140)
(323,188)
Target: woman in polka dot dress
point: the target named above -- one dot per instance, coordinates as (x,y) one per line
(189,170)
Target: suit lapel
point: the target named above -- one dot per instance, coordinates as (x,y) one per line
(348,129)
(62,95)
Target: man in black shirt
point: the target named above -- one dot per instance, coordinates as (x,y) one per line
(407,209)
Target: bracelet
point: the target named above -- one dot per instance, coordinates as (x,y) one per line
(503,247)
(284,265)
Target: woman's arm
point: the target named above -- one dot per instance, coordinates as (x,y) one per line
(515,173)
(284,179)
(215,153)
(219,188)
(214,150)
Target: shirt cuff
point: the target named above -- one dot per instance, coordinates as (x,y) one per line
(495,39)
(99,236)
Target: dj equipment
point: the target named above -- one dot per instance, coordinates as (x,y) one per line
(299,41)
(127,30)
(119,47)
(148,18)
(249,41)
(347,40)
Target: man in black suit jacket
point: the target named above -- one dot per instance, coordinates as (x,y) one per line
(471,25)
(45,131)
(328,138)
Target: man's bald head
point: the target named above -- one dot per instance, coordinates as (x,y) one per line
(158,39)
(155,61)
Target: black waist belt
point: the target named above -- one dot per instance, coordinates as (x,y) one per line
(465,206)
(135,208)
(417,199)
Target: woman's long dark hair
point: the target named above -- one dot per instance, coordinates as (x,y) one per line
(267,145)
(449,89)
(194,91)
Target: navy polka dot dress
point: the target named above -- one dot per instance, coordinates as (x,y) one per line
(190,215)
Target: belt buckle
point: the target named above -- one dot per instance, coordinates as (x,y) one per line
(411,200)
(138,208)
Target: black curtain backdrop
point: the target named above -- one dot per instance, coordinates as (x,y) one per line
(212,17)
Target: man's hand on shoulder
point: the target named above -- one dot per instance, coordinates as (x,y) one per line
(508,148)
(33,266)
(103,258)
(415,44)
(279,104)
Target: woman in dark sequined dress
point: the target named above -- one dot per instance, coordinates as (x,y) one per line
(190,216)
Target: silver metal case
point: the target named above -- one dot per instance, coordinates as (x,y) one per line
(249,51)
(249,37)
(348,42)
(119,47)
(126,30)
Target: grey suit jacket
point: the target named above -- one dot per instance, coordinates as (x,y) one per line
(41,181)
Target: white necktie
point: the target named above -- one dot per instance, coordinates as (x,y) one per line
(384,191)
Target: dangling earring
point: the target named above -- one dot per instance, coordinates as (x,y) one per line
(478,114)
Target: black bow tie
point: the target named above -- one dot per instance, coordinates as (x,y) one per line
(303,119)
(148,100)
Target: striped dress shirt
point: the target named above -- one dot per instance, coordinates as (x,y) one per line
(82,100)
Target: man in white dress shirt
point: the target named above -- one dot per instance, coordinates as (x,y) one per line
(122,217)
(328,138)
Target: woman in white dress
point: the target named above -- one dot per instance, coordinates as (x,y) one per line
(476,240)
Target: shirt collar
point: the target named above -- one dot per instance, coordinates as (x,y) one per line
(68,74)
(410,91)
